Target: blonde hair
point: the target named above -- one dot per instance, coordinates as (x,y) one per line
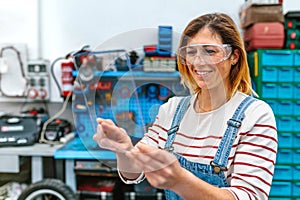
(222,25)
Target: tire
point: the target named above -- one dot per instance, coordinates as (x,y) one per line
(48,189)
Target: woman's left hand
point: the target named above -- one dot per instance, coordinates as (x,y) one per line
(161,168)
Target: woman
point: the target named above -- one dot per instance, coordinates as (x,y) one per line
(219,143)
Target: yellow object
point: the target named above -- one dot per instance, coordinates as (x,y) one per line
(255,64)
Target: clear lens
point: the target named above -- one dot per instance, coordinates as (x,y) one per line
(204,53)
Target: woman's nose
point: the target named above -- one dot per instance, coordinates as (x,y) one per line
(200,60)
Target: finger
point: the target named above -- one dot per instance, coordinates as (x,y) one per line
(112,131)
(97,137)
(123,130)
(145,148)
(106,128)
(140,161)
(106,143)
(148,165)
(99,134)
(156,154)
(101,120)
(149,161)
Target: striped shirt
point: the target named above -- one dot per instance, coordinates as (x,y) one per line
(253,153)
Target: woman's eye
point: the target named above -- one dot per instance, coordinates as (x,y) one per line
(191,52)
(210,51)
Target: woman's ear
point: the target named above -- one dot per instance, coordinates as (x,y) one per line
(234,58)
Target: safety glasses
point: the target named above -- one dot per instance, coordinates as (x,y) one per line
(208,54)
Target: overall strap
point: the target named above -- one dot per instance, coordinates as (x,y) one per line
(233,124)
(179,113)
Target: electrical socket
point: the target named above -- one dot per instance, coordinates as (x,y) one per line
(39,80)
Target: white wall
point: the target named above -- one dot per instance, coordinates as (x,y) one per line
(69,24)
(19,24)
(53,28)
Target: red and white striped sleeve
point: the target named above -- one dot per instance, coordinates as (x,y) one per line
(251,171)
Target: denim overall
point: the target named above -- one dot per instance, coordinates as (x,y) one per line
(213,173)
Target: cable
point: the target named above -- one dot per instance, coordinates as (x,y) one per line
(22,72)
(46,123)
(53,74)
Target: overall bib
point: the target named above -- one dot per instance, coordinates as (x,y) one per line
(213,173)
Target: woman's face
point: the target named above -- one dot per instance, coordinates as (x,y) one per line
(207,67)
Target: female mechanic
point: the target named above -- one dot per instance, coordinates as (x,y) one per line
(218,143)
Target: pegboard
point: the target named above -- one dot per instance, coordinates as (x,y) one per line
(130,100)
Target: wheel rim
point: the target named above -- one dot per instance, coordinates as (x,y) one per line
(43,193)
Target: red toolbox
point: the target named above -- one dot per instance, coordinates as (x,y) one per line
(264,35)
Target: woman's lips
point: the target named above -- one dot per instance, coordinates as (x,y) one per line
(203,73)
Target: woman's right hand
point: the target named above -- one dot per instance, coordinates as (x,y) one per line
(112,137)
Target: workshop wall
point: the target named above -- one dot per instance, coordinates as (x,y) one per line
(19,23)
(70,24)
(51,29)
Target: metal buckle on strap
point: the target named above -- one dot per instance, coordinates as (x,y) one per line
(173,130)
(217,168)
(235,123)
(170,149)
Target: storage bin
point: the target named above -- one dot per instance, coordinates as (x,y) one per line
(164,47)
(297,58)
(292,44)
(284,124)
(281,189)
(296,91)
(269,90)
(296,108)
(285,91)
(296,189)
(274,105)
(284,156)
(296,156)
(296,124)
(285,140)
(292,19)
(283,173)
(165,41)
(296,74)
(285,74)
(278,58)
(285,108)
(296,173)
(165,31)
(292,35)
(150,50)
(296,140)
(269,74)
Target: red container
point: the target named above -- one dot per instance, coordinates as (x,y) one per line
(264,35)
(150,50)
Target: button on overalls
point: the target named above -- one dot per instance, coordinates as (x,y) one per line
(213,173)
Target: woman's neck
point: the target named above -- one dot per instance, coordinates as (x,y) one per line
(208,100)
